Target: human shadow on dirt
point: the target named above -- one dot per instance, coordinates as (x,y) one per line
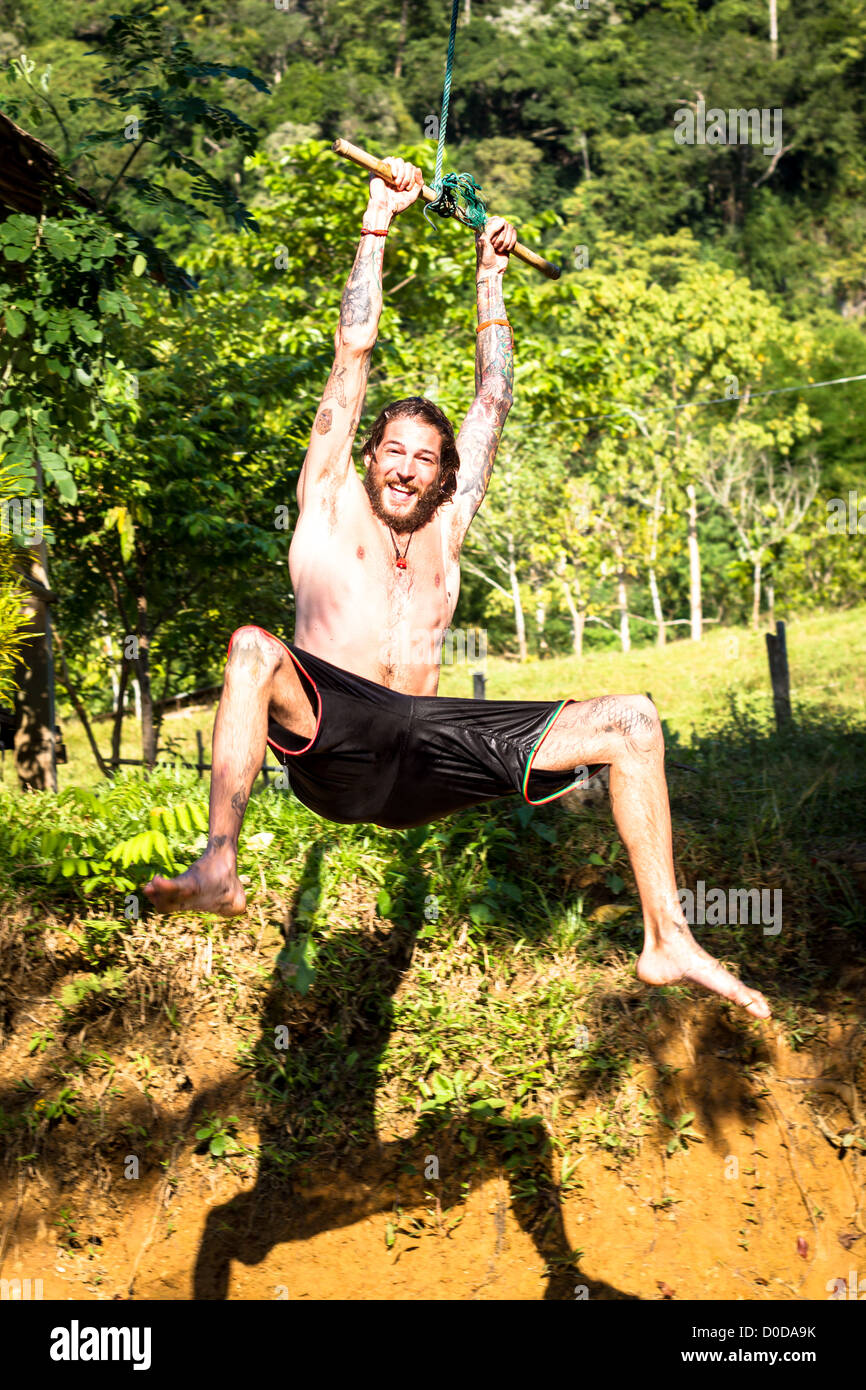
(314,1098)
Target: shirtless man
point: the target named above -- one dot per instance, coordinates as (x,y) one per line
(350,706)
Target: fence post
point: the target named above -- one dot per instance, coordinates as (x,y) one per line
(200,746)
(777,652)
(478,683)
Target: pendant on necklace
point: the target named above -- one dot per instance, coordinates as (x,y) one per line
(400,562)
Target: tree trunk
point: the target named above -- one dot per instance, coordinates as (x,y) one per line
(771,604)
(697,619)
(148,736)
(622,604)
(108,648)
(519,620)
(540,619)
(401,40)
(78,705)
(584,149)
(160,713)
(653,582)
(622,599)
(774,32)
(577,616)
(657,608)
(117,729)
(756,592)
(34,676)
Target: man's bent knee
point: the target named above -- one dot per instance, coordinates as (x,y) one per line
(256,654)
(640,721)
(633,718)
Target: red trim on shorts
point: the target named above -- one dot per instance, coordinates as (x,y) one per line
(290,752)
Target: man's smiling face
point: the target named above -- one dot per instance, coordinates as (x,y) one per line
(402,482)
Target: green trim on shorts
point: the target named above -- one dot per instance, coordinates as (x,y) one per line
(545,731)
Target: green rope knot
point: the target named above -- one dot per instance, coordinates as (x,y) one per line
(458,196)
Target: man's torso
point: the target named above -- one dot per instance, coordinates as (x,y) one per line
(355,607)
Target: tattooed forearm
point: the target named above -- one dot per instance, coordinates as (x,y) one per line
(323,421)
(356,305)
(479,440)
(361,304)
(335,386)
(494,351)
(494,366)
(494,388)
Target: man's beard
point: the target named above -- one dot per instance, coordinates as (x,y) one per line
(424,509)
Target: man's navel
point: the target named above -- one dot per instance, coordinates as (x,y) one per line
(360,552)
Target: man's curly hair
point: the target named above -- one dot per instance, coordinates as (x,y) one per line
(417,407)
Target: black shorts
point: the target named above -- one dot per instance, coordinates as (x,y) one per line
(398,760)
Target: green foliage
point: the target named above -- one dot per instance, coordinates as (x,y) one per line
(13,617)
(57,296)
(96,846)
(89,989)
(297,964)
(219,1136)
(683,1133)
(138,46)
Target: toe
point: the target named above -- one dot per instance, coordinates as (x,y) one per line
(757,1005)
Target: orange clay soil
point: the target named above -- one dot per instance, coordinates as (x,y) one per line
(763,1208)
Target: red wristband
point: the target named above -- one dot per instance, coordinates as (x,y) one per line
(371,231)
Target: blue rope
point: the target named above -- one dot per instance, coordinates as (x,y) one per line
(453,187)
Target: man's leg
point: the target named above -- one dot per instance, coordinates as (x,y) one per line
(625,731)
(260,679)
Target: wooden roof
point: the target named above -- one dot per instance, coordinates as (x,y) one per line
(31,177)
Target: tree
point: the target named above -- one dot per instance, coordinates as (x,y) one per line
(765,500)
(639,342)
(62,293)
(499,544)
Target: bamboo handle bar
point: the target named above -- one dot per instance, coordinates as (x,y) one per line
(378,166)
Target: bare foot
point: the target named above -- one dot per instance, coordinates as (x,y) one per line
(210,885)
(680,958)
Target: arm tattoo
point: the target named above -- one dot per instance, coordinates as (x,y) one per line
(494,356)
(494,389)
(323,421)
(494,385)
(479,440)
(357,305)
(335,386)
